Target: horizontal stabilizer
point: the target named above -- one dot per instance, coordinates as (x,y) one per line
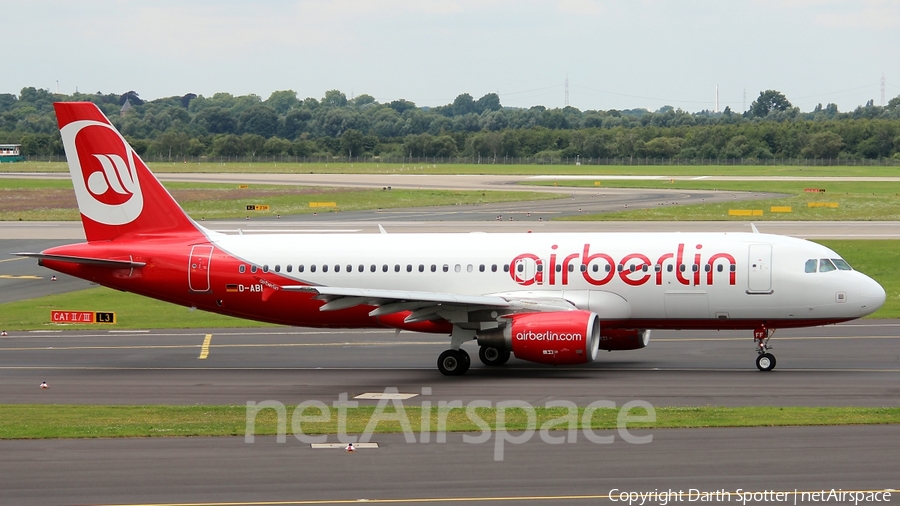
(100,262)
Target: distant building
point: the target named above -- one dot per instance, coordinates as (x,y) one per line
(11,153)
(125,107)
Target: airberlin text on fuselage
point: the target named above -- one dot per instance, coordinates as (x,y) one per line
(633,269)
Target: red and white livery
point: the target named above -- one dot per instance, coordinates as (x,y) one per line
(547,298)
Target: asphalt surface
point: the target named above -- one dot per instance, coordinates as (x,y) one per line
(856,364)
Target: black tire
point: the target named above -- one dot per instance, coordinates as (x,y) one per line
(453,362)
(765,362)
(492,356)
(466,360)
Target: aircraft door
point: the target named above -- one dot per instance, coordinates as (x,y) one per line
(525,271)
(759,264)
(198,268)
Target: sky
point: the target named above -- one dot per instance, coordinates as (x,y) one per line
(615,54)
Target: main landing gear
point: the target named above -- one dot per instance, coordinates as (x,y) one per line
(454,362)
(765,361)
(493,356)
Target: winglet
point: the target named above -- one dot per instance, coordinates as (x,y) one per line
(754,229)
(381,229)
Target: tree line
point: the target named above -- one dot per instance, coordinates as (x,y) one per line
(224,125)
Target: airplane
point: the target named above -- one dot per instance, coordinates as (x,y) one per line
(550,298)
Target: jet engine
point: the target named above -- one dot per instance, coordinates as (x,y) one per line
(624,339)
(559,338)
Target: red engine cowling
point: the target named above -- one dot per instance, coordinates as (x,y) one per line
(560,338)
(624,339)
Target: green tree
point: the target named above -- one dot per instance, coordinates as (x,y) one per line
(260,120)
(283,101)
(823,145)
(215,120)
(768,101)
(352,143)
(334,98)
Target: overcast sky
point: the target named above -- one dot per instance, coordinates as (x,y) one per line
(617,54)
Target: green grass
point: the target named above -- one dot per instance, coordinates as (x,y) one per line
(132,312)
(223,201)
(857,201)
(488,168)
(34,421)
(877,258)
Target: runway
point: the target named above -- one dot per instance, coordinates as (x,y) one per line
(853,364)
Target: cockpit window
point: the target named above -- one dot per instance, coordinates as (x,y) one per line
(842,264)
(811,265)
(825,265)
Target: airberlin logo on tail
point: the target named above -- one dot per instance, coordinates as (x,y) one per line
(104,173)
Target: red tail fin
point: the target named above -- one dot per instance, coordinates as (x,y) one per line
(117,194)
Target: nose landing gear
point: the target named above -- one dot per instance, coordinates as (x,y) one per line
(765,361)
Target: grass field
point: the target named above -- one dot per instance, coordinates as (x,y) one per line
(877,258)
(38,421)
(489,168)
(856,201)
(54,200)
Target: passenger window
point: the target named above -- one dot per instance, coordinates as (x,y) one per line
(446,268)
(841,264)
(408,268)
(481,268)
(349,268)
(558,268)
(277,267)
(433,268)
(396,267)
(719,268)
(289,268)
(421,268)
(571,268)
(337,268)
(300,268)
(811,265)
(470,268)
(265,268)
(494,268)
(669,268)
(520,267)
(362,267)
(505,267)
(457,268)
(253,269)
(825,265)
(312,268)
(658,267)
(583,268)
(384,268)
(373,268)
(242,268)
(325,268)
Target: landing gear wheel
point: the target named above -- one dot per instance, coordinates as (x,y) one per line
(492,356)
(765,361)
(453,362)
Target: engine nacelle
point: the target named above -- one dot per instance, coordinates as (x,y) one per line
(624,339)
(560,338)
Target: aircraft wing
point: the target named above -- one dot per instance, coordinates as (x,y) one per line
(425,306)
